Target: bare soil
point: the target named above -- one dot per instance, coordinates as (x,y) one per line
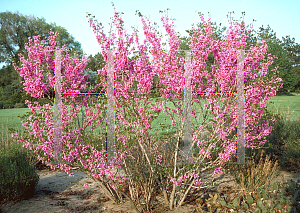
(57,192)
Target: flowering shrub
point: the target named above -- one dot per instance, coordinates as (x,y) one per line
(151,166)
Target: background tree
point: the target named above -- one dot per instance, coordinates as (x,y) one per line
(15,29)
(5,75)
(275,47)
(293,54)
(96,63)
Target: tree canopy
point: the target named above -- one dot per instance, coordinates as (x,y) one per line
(15,29)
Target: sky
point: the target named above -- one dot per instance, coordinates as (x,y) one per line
(282,16)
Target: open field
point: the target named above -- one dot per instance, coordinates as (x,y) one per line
(287,105)
(8,118)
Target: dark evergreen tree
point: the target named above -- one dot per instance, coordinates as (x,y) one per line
(284,65)
(293,54)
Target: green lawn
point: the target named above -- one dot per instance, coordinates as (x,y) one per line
(9,116)
(289,105)
(163,118)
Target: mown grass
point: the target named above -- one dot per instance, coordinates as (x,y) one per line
(281,142)
(8,119)
(288,105)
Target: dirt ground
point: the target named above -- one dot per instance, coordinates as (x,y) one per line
(57,192)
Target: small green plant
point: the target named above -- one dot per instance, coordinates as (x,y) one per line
(275,198)
(268,197)
(252,176)
(291,158)
(18,177)
(282,143)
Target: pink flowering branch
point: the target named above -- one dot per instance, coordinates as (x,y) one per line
(134,123)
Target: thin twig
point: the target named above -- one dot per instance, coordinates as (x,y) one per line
(135,208)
